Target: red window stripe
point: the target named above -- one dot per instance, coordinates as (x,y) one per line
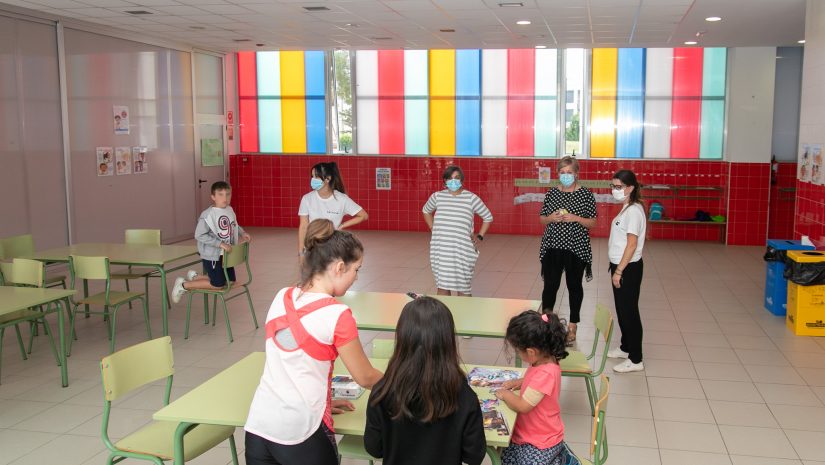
(391,102)
(687,102)
(248,101)
(521,76)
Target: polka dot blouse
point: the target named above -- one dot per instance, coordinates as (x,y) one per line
(569,236)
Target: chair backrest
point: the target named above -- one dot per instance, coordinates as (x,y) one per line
(598,440)
(237,256)
(17,246)
(89,267)
(136,366)
(383,348)
(143,236)
(603,320)
(28,272)
(6,270)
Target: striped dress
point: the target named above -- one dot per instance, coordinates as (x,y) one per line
(452,253)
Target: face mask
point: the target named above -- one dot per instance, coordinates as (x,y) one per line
(316,184)
(453,184)
(619,195)
(567,179)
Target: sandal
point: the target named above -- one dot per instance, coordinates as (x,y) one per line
(571,335)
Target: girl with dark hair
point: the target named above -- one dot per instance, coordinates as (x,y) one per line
(290,419)
(329,200)
(538,435)
(423,411)
(449,214)
(624,249)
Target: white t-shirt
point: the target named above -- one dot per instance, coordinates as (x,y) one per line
(294,392)
(631,220)
(333,208)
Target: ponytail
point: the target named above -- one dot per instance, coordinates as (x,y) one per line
(532,330)
(323,245)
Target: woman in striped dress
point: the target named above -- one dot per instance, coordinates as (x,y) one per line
(449,214)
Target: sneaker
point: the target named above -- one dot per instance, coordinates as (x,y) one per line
(191,275)
(627,366)
(617,353)
(178,290)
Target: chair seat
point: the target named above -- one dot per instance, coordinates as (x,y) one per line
(115,297)
(575,362)
(136,273)
(20,316)
(352,447)
(157,438)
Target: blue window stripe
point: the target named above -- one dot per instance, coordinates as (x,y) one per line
(630,105)
(315,114)
(468,102)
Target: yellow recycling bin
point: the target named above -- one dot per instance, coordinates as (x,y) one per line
(806,304)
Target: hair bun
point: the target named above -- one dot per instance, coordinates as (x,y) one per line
(318,232)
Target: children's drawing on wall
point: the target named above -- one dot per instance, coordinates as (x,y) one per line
(121,119)
(140,163)
(104,161)
(817,175)
(545,174)
(123,160)
(804,163)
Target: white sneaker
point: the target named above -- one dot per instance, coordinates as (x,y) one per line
(617,353)
(627,366)
(191,275)
(178,290)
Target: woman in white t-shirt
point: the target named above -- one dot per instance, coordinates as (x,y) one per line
(624,249)
(327,200)
(290,419)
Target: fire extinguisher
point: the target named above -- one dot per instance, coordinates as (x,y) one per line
(774,169)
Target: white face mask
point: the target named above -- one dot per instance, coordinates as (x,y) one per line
(619,195)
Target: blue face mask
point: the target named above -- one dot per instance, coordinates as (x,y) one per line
(567,179)
(453,184)
(316,184)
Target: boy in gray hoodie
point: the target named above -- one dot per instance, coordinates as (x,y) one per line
(217,230)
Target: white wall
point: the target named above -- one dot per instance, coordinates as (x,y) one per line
(812,110)
(786,102)
(751,75)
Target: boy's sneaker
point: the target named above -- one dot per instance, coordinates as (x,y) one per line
(178,290)
(617,353)
(191,275)
(627,366)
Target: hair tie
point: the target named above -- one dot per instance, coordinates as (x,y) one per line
(544,317)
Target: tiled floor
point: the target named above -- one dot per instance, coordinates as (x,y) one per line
(726,382)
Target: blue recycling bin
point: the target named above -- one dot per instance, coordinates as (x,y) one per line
(776,286)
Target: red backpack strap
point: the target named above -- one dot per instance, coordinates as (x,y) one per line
(292,320)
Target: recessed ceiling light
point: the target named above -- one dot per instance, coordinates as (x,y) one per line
(801,41)
(691,42)
(541,46)
(713,19)
(511,4)
(523,22)
(139,12)
(352,25)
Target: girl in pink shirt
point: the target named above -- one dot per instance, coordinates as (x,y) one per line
(538,435)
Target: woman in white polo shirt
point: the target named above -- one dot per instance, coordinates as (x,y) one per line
(627,239)
(327,200)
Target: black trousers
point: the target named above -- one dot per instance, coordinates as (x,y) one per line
(626,299)
(318,449)
(554,263)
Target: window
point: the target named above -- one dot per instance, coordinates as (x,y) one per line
(341,111)
(574,87)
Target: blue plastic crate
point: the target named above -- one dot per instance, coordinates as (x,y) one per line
(776,286)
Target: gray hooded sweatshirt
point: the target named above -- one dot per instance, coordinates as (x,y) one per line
(216,226)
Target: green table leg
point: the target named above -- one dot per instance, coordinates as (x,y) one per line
(164,299)
(495,459)
(181,431)
(61,348)
(86,294)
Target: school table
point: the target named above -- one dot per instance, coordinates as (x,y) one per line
(153,256)
(225,399)
(13,299)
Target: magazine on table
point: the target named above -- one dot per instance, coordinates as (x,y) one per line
(491,377)
(492,417)
(344,387)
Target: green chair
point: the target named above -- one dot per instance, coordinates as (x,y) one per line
(598,441)
(577,364)
(239,256)
(23,246)
(383,348)
(133,367)
(352,447)
(31,273)
(139,237)
(97,268)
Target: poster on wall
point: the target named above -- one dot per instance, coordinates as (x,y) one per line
(804,163)
(139,162)
(104,165)
(817,174)
(121,119)
(545,174)
(123,160)
(383,179)
(211,152)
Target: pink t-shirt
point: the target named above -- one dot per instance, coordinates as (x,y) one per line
(541,427)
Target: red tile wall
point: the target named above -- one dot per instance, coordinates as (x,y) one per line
(810,213)
(268,188)
(748,197)
(782,202)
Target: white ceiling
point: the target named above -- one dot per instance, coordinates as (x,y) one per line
(369,24)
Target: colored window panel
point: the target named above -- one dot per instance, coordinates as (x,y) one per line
(247,102)
(494,102)
(658,102)
(316,124)
(293,108)
(687,104)
(630,105)
(713,103)
(416,107)
(391,102)
(366,91)
(442,102)
(468,102)
(269,102)
(546,100)
(603,105)
(521,69)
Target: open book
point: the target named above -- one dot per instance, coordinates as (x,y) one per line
(492,417)
(490,377)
